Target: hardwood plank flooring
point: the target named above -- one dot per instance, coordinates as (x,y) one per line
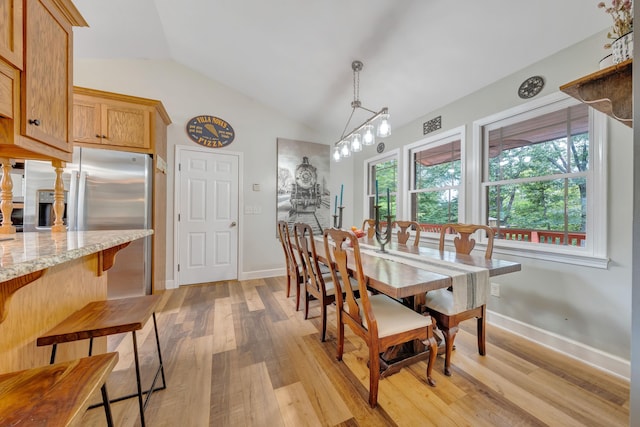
(238,354)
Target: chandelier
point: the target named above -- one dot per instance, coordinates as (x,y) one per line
(363,134)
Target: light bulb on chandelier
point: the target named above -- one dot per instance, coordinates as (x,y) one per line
(362,135)
(356,143)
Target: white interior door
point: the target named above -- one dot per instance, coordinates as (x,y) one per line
(207,217)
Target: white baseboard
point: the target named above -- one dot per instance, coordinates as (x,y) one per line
(259,274)
(592,356)
(170,284)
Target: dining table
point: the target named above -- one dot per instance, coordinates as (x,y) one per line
(407,273)
(408,280)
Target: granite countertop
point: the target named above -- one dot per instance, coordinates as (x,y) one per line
(25,253)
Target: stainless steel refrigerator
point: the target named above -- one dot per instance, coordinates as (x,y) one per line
(104,190)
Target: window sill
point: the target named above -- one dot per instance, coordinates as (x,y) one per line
(539,251)
(566,256)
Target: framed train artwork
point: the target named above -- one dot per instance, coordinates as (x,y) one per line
(303,193)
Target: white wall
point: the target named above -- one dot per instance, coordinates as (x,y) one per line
(588,305)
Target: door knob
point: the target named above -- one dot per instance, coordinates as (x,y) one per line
(233,224)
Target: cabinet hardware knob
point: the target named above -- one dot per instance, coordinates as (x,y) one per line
(97,136)
(34,122)
(104,136)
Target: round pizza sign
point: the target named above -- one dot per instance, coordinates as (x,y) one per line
(210,131)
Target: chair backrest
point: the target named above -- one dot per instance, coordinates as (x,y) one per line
(285,240)
(355,312)
(369,225)
(404,233)
(309,258)
(463,242)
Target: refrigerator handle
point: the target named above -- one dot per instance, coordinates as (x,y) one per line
(82,185)
(72,214)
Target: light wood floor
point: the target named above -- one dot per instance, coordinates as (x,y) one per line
(238,354)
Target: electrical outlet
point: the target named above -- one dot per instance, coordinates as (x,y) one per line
(495,290)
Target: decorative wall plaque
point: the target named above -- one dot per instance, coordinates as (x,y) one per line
(431,125)
(210,131)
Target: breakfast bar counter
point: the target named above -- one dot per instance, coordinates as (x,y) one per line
(44,277)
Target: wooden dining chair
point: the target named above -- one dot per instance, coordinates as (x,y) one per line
(369,226)
(440,303)
(404,231)
(381,321)
(294,271)
(315,282)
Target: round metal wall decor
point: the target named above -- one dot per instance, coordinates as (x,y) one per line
(531,87)
(380,147)
(210,131)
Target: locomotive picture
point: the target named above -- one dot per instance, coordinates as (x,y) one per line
(303,175)
(305,190)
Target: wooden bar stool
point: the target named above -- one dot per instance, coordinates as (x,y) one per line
(55,394)
(102,318)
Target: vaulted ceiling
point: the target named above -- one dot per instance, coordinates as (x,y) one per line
(295,55)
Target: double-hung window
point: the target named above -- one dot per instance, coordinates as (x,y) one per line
(435,183)
(543,178)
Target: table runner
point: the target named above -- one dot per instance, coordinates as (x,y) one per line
(470,283)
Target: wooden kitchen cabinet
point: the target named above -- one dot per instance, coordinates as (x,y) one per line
(9,91)
(117,121)
(41,129)
(11,32)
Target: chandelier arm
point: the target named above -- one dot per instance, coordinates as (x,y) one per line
(385,110)
(366,109)
(353,110)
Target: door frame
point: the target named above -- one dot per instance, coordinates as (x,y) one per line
(180,149)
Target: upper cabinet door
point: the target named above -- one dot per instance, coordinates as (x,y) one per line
(126,125)
(86,120)
(11,32)
(47,96)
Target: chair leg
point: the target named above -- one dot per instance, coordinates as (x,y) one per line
(288,284)
(433,353)
(54,348)
(107,405)
(323,311)
(482,331)
(138,380)
(298,284)
(374,375)
(306,303)
(449,337)
(340,325)
(155,329)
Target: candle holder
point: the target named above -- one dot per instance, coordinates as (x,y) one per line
(382,237)
(337,219)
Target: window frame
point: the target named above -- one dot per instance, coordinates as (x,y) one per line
(399,194)
(594,253)
(445,137)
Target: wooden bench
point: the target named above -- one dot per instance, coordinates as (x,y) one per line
(55,395)
(101,318)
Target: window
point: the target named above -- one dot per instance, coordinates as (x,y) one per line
(435,179)
(542,181)
(384,171)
